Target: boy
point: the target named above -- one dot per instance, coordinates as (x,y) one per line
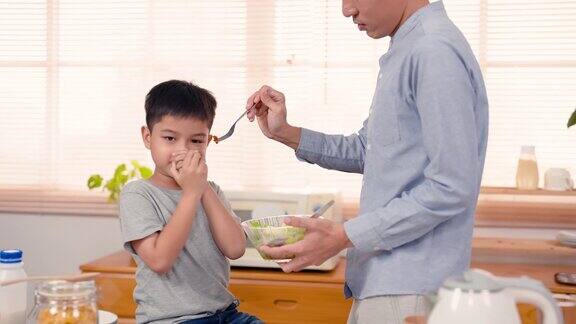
(180,228)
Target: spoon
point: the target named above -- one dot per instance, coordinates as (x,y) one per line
(217,139)
(316,214)
(322,209)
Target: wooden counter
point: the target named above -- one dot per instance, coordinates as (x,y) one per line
(275,296)
(317,297)
(522,251)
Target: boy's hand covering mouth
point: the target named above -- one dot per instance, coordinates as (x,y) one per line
(178,157)
(189,170)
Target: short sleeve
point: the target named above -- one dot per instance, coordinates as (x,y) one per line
(138,218)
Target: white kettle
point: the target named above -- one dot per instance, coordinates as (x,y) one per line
(482,298)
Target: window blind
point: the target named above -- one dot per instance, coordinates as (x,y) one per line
(75,73)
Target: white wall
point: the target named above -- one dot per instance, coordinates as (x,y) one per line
(55,245)
(59,244)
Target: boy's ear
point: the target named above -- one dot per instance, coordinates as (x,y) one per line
(146,136)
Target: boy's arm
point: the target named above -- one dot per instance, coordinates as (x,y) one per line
(160,250)
(227,232)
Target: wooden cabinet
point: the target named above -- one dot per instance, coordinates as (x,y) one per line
(279,302)
(306,297)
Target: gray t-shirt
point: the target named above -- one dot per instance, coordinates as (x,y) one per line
(196,286)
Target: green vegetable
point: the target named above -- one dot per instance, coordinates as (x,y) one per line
(295,235)
(257,224)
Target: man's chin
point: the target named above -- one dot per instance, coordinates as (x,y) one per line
(375,35)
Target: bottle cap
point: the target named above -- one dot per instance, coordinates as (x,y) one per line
(528,149)
(10,256)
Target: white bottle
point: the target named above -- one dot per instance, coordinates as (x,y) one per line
(12,297)
(527,172)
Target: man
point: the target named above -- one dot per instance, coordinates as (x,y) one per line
(421,152)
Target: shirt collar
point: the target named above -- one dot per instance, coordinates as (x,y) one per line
(413,20)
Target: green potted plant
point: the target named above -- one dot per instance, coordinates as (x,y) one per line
(121,176)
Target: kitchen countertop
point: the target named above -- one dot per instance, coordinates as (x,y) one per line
(503,257)
(522,251)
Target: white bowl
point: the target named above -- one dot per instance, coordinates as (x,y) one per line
(272,231)
(105,317)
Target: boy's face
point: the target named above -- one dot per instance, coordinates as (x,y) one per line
(174,134)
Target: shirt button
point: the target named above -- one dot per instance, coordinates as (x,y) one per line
(379,76)
(368,146)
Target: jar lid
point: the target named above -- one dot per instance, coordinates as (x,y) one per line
(66,290)
(10,256)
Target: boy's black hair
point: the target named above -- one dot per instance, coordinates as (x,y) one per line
(179,98)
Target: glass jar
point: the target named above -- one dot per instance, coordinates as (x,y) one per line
(63,302)
(527,171)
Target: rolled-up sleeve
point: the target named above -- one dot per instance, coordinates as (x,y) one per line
(445,98)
